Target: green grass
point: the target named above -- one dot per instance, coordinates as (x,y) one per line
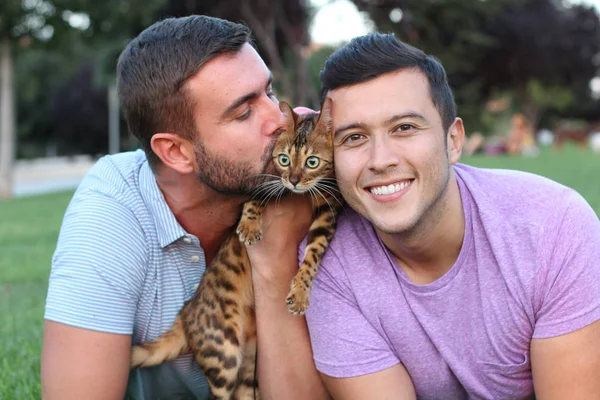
(29,229)
(578,169)
(28,232)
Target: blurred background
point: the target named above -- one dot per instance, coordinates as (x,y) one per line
(525,73)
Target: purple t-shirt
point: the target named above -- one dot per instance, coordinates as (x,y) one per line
(528,268)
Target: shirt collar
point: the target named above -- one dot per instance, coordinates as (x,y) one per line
(167,227)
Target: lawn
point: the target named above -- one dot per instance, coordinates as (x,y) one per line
(28,232)
(579,169)
(29,229)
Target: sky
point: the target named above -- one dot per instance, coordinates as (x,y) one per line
(339,20)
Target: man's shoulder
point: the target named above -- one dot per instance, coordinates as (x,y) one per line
(115,174)
(353,244)
(351,226)
(109,196)
(512,194)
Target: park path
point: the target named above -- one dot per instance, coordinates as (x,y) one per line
(48,175)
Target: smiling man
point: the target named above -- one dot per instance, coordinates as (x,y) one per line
(445,281)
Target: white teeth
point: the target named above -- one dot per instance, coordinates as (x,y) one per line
(393,188)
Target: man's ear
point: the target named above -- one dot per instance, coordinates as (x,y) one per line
(456,140)
(174,151)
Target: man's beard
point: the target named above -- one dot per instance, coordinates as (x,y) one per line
(230,177)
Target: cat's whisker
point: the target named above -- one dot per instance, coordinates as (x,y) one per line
(324,198)
(330,193)
(266,190)
(280,194)
(272,193)
(333,180)
(263,189)
(312,195)
(267,184)
(329,186)
(271,176)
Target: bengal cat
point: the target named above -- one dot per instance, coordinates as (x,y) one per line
(218,323)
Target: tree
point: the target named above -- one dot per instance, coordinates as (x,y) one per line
(545,53)
(21,22)
(78,45)
(65,107)
(535,48)
(281,33)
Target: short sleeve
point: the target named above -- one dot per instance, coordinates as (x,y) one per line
(344,343)
(568,288)
(98,266)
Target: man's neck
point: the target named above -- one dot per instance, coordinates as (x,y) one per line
(201,211)
(431,250)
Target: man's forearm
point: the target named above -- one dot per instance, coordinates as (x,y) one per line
(285,364)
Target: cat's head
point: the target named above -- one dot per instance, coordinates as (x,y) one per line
(303,153)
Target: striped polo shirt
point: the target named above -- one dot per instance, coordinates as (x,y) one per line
(123,264)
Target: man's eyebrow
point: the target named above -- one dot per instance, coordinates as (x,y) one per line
(358,125)
(352,125)
(409,114)
(245,98)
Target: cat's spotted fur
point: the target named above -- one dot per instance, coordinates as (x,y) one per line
(218,323)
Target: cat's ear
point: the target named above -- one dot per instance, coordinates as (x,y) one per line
(290,116)
(325,123)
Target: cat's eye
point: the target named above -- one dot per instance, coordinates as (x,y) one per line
(284,160)
(312,162)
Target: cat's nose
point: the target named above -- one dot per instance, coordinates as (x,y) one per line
(294,180)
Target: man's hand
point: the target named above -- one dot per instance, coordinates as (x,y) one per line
(285,223)
(285,364)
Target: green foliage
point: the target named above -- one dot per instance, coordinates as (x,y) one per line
(549,96)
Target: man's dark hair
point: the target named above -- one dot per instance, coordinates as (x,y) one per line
(154,67)
(367,57)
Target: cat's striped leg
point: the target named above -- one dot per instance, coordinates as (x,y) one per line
(247,384)
(319,236)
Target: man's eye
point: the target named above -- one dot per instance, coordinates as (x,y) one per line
(405,127)
(353,138)
(244,116)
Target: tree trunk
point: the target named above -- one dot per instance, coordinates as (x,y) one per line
(264,29)
(7,119)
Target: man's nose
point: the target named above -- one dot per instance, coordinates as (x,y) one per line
(383,155)
(275,119)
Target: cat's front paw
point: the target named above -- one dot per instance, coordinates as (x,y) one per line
(298,298)
(249,231)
